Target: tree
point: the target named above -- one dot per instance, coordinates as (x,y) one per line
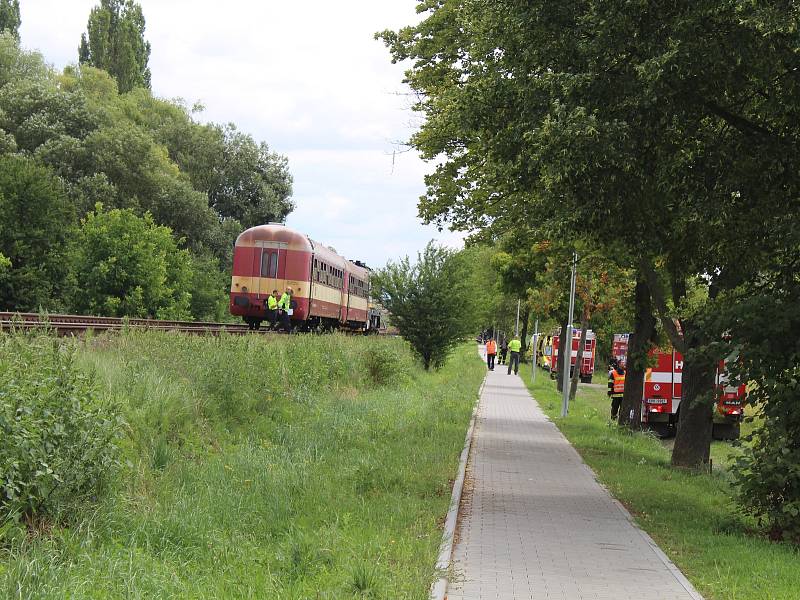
(210,288)
(476,261)
(518,264)
(429,302)
(115,42)
(248,182)
(9,17)
(36,226)
(125,265)
(624,123)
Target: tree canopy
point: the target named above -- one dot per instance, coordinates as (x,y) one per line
(114,41)
(664,134)
(88,141)
(34,233)
(9,17)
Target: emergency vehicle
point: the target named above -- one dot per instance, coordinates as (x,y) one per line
(619,348)
(544,351)
(663,385)
(587,362)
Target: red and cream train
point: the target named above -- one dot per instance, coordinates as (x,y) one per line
(329,291)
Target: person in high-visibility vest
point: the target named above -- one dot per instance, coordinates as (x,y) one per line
(514,346)
(491,352)
(272,309)
(616,387)
(284,304)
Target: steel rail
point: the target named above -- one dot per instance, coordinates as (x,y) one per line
(71,324)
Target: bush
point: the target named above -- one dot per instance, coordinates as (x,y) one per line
(57,443)
(127,265)
(430,302)
(386,363)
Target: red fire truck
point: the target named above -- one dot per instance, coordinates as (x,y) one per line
(661,396)
(587,362)
(619,348)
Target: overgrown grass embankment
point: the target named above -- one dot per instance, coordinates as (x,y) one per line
(289,467)
(693,517)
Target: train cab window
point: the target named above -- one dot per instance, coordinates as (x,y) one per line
(269,264)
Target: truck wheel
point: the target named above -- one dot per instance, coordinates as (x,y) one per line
(663,430)
(725,431)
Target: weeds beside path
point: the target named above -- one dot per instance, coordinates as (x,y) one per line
(693,517)
(310,467)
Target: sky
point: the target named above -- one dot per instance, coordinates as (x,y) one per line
(307,78)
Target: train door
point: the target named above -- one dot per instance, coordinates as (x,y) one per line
(273,268)
(348,291)
(258,268)
(344,298)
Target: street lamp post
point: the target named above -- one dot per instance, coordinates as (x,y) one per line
(534,354)
(566,352)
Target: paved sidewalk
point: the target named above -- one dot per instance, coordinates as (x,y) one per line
(535,524)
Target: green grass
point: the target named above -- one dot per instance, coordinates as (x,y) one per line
(296,467)
(693,517)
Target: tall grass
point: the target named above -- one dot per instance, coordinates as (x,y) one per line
(287,467)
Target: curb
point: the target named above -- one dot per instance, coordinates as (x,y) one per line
(671,567)
(439,586)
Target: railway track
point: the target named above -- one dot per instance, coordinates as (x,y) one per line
(77,324)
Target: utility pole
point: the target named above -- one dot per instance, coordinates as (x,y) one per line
(567,350)
(535,353)
(516,327)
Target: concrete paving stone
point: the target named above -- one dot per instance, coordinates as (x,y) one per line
(536,525)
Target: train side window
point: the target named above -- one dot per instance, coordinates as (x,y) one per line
(273,265)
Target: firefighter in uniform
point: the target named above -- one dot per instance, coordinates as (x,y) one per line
(616,387)
(491,352)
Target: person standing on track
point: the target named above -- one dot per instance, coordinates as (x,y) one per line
(491,352)
(284,304)
(616,387)
(514,346)
(272,309)
(503,351)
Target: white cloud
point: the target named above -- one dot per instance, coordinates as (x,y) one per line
(306,77)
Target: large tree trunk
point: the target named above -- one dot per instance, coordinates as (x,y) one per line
(526,313)
(644,327)
(695,419)
(573,388)
(561,354)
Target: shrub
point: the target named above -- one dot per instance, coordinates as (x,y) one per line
(430,302)
(386,363)
(127,265)
(57,442)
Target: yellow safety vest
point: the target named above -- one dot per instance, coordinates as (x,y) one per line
(284,302)
(272,303)
(514,345)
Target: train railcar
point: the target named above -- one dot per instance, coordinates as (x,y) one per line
(330,292)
